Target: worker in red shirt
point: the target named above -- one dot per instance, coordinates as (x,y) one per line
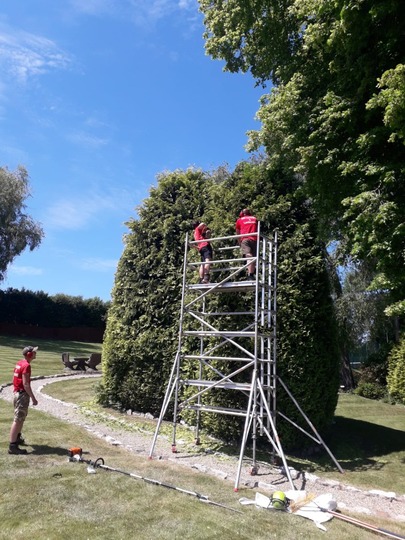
(22,395)
(247,224)
(201,234)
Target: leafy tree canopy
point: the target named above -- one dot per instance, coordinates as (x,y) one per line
(17,229)
(361,311)
(336,115)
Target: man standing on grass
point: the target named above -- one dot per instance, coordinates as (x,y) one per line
(22,395)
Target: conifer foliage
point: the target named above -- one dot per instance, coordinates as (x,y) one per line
(142,326)
(141,339)
(396,372)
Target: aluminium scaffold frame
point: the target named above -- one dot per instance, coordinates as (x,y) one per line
(255,343)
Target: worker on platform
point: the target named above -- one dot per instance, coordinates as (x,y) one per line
(202,234)
(247,224)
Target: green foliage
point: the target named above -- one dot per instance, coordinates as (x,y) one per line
(371,377)
(370,390)
(57,311)
(391,99)
(17,229)
(257,36)
(142,328)
(396,372)
(336,115)
(375,368)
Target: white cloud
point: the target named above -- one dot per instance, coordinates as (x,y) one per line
(94,122)
(26,270)
(187,4)
(95,264)
(71,214)
(85,139)
(93,7)
(12,153)
(3,89)
(149,11)
(24,55)
(75,214)
(141,12)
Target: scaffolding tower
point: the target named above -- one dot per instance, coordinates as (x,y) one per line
(237,350)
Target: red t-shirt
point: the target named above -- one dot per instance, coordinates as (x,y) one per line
(21,367)
(246,225)
(199,235)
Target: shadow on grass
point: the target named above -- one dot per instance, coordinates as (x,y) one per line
(44,449)
(357,445)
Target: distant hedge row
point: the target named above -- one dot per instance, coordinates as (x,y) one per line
(58,311)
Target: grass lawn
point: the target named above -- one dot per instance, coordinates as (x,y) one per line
(48,361)
(367,439)
(44,496)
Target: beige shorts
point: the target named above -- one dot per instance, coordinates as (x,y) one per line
(248,247)
(21,404)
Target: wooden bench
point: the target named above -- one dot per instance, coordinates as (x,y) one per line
(78,363)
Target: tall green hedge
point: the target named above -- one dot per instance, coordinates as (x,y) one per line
(142,327)
(141,338)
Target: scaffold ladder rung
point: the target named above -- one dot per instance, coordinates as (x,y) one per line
(226,384)
(218,410)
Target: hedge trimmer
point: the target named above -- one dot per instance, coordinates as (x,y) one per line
(75,454)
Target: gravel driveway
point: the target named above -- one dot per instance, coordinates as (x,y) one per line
(374,502)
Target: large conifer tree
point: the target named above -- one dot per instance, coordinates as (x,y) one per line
(142,328)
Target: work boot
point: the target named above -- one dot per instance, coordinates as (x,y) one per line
(20,439)
(15,449)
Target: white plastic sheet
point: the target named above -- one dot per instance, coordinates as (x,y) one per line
(302,504)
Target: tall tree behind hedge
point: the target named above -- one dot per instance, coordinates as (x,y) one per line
(336,114)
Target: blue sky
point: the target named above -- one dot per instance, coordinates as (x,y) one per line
(96,98)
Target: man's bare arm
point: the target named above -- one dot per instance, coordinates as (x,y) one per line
(27,387)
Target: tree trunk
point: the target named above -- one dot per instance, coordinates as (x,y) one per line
(346,373)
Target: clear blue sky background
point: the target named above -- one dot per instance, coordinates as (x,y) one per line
(96,98)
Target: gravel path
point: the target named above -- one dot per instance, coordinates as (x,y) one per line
(374,502)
